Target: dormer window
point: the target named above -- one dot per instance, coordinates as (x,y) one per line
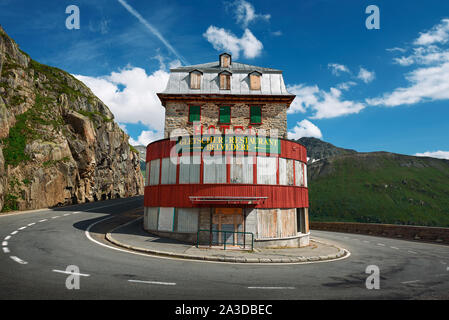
(225,80)
(195,79)
(254,80)
(225,60)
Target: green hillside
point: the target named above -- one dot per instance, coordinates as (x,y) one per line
(380,187)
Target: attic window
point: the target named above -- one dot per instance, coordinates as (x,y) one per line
(254,80)
(225,81)
(225,60)
(195,80)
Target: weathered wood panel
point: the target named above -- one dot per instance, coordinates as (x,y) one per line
(266,170)
(214,170)
(242,170)
(287,223)
(187,219)
(298,174)
(154,172)
(267,223)
(166,219)
(152,218)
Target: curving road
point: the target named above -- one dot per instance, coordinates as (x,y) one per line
(37,247)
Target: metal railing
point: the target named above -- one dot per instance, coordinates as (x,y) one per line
(241,241)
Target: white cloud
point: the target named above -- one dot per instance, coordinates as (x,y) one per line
(346,85)
(305,97)
(438,34)
(435,154)
(225,40)
(404,61)
(137,101)
(366,76)
(245,13)
(305,128)
(338,69)
(145,138)
(396,49)
(431,83)
(324,104)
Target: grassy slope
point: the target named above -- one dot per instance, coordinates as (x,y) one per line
(382,189)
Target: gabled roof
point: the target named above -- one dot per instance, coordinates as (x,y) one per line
(271,80)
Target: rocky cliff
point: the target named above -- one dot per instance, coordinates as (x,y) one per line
(59,143)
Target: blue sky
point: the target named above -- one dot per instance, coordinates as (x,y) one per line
(368,90)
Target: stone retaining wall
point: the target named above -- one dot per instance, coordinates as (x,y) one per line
(431,234)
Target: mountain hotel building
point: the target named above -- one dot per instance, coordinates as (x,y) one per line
(225,172)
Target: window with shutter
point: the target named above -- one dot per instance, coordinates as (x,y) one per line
(194,113)
(225,81)
(195,80)
(225,115)
(254,80)
(256,114)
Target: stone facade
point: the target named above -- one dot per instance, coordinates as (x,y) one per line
(274,115)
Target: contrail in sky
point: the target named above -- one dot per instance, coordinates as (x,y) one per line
(152,29)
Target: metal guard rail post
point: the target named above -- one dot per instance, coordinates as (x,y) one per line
(224,242)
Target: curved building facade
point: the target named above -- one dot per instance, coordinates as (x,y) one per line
(225,174)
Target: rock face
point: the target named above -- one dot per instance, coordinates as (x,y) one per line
(59,144)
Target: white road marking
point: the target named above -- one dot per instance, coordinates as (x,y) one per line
(5,250)
(43,220)
(413,281)
(22,228)
(396,248)
(76,212)
(18,260)
(72,273)
(273,288)
(14,232)
(154,282)
(447,269)
(366,241)
(381,244)
(55,217)
(7,238)
(31,224)
(67,214)
(410,251)
(4,243)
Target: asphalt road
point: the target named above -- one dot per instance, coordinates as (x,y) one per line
(37,247)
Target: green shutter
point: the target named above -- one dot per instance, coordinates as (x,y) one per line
(256,115)
(194,113)
(225,114)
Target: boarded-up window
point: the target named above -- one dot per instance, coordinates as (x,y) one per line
(225,115)
(152,215)
(214,170)
(266,170)
(147,174)
(267,223)
(287,223)
(166,219)
(242,169)
(298,174)
(195,80)
(225,81)
(285,172)
(254,81)
(187,220)
(255,114)
(194,113)
(189,172)
(168,172)
(225,61)
(154,172)
(305,175)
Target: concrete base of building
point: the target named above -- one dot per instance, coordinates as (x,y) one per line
(299,241)
(244,227)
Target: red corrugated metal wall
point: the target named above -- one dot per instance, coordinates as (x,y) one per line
(178,195)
